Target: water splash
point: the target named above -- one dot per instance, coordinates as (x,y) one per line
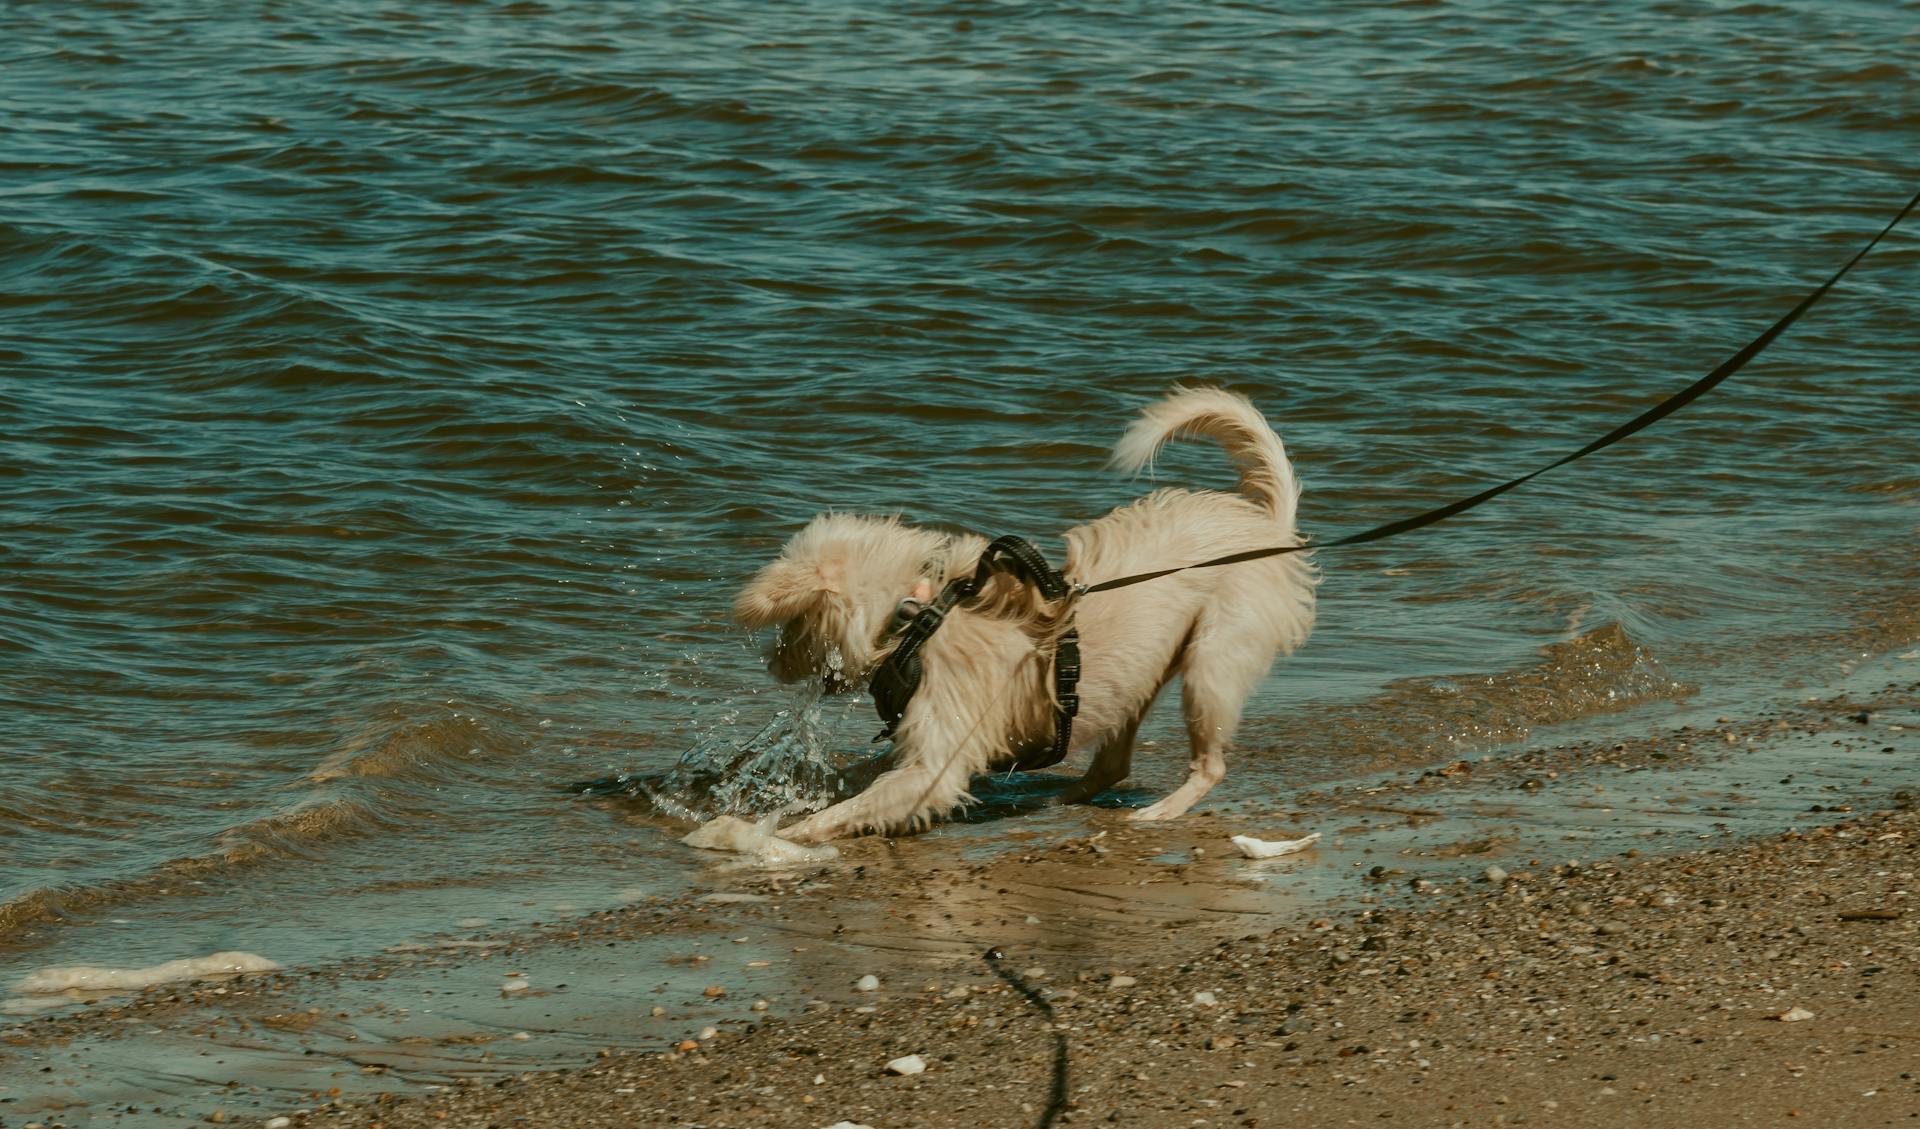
(788,767)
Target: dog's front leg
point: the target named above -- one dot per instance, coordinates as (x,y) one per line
(934,756)
(902,798)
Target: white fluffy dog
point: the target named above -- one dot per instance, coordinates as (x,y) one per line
(986,696)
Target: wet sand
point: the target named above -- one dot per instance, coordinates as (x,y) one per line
(1644,992)
(1588,934)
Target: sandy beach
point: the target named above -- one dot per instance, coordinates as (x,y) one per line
(1656,992)
(1445,955)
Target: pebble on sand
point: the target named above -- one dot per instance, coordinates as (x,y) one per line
(1122,982)
(1793,1015)
(868,983)
(1206,999)
(907,1064)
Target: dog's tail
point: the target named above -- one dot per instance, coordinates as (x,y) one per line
(1231,420)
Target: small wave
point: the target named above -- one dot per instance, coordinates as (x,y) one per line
(1873,72)
(287,835)
(529,87)
(421,751)
(1598,672)
(380,783)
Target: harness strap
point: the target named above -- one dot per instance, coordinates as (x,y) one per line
(893,683)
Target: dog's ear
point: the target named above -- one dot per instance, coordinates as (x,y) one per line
(781,591)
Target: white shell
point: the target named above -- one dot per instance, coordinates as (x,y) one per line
(1265,849)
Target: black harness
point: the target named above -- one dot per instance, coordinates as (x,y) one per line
(896,678)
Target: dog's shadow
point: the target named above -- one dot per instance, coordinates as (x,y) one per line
(676,794)
(1009,795)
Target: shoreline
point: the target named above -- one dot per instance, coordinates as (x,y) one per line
(1603,926)
(1652,990)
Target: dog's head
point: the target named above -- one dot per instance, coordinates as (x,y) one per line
(833,592)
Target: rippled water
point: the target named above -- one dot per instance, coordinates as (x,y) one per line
(390,400)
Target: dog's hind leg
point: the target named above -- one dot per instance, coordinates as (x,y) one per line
(1111,764)
(1212,695)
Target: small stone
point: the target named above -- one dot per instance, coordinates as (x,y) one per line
(761,1005)
(1793,1015)
(656,1011)
(867,983)
(907,1064)
(686,1045)
(1206,999)
(1496,875)
(714,991)
(522,1036)
(1032,920)
(515,984)
(708,1032)
(1122,982)
(278,1122)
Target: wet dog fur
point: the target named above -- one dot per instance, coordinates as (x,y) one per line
(986,696)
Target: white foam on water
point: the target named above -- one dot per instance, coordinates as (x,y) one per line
(95,978)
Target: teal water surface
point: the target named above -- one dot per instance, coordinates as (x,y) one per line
(391,399)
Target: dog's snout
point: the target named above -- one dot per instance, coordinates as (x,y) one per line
(785,665)
(798,655)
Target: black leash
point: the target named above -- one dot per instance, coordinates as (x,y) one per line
(1057,1099)
(1645,419)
